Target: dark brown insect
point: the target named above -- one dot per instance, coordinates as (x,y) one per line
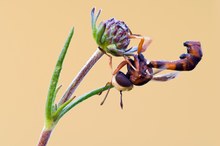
(139,72)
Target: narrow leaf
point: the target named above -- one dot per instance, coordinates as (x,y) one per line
(54,80)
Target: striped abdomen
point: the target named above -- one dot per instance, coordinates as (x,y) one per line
(187,61)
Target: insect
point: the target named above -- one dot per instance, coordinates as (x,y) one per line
(140,70)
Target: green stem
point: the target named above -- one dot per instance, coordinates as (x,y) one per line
(82,98)
(60,108)
(53,84)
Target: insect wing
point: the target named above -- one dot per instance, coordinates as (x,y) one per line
(165,77)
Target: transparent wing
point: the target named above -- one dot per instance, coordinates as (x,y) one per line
(130,51)
(165,77)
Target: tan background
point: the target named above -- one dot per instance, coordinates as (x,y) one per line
(181,112)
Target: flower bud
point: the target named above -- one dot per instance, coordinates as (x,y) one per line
(117,33)
(111,35)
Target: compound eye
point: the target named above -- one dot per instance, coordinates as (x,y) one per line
(121,82)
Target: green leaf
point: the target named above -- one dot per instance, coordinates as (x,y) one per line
(61,107)
(82,98)
(93,21)
(53,83)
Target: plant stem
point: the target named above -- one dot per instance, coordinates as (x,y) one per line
(49,123)
(65,104)
(45,135)
(82,98)
(79,77)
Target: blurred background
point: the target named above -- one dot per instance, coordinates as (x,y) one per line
(181,112)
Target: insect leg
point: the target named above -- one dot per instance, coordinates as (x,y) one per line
(127,59)
(144,43)
(137,63)
(121,101)
(110,60)
(103,101)
(119,67)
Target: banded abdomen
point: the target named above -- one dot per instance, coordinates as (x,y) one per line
(187,61)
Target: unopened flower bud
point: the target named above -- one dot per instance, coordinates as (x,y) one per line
(117,33)
(112,36)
